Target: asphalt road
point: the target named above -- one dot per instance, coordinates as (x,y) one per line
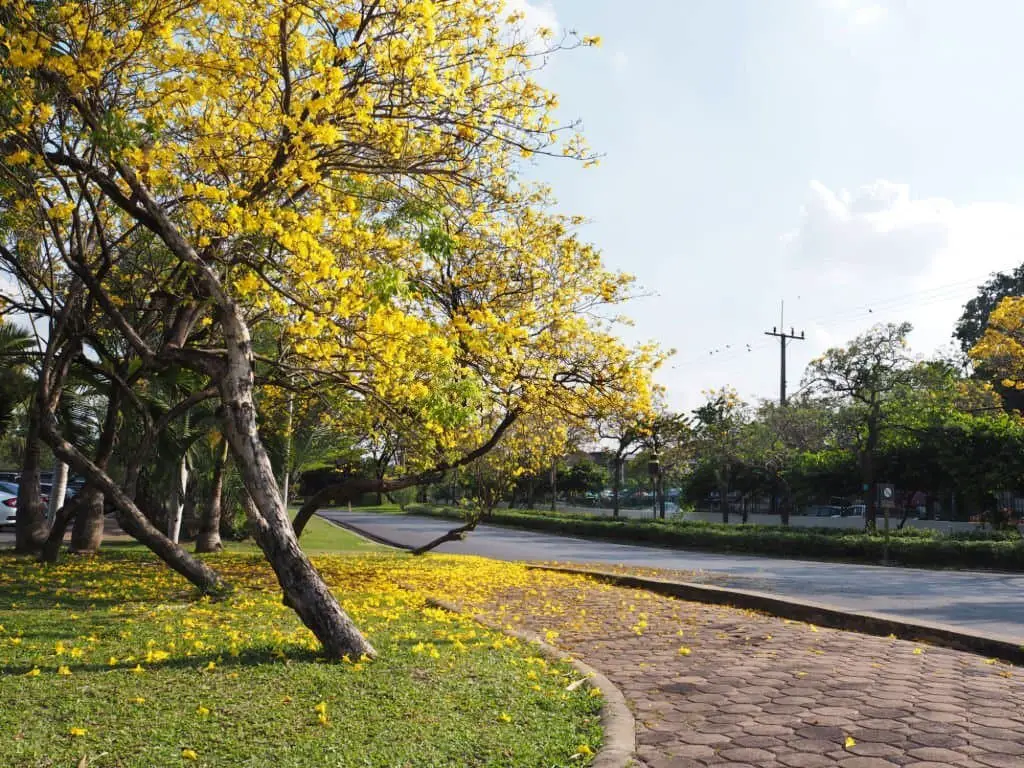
(978,601)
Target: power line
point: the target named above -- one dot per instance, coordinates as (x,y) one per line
(932,295)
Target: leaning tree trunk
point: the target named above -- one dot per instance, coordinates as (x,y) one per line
(30,527)
(130,517)
(304,589)
(87,531)
(208,538)
(58,489)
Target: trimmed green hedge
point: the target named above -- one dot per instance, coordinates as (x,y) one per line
(911,547)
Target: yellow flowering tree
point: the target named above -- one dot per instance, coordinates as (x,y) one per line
(1001,347)
(208,174)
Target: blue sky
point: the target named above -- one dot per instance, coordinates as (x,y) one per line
(862,160)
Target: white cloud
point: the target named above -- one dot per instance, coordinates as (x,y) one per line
(877,226)
(879,254)
(859,13)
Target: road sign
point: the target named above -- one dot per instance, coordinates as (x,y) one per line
(886,495)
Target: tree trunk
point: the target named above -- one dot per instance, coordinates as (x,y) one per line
(723,496)
(660,484)
(784,504)
(178,493)
(868,468)
(554,486)
(617,485)
(745,509)
(63,516)
(287,471)
(30,526)
(87,533)
(58,490)
(130,517)
(304,588)
(208,538)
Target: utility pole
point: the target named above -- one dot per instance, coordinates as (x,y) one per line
(780,333)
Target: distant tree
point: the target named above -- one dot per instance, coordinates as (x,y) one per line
(772,442)
(974,322)
(584,477)
(1001,347)
(864,378)
(975,318)
(625,433)
(718,430)
(666,437)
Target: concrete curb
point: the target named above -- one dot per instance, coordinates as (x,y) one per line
(363,534)
(617,721)
(366,534)
(821,614)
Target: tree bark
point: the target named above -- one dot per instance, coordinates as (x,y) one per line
(129,515)
(287,473)
(58,490)
(178,493)
(617,485)
(208,538)
(30,526)
(456,534)
(723,497)
(63,516)
(87,533)
(868,467)
(554,486)
(304,589)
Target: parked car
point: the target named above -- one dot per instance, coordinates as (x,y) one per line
(8,503)
(823,510)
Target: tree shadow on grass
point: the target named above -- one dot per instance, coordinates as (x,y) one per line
(252,657)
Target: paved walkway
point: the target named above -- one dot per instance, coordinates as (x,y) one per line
(976,601)
(716,686)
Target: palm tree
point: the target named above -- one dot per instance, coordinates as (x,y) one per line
(15,382)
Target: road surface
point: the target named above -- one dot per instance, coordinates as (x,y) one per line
(977,601)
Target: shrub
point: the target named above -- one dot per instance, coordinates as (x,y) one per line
(931,549)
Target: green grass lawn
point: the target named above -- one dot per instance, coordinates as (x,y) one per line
(319,537)
(111,661)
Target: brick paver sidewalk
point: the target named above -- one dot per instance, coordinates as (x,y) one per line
(730,688)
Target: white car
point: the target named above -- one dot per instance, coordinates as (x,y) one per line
(8,503)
